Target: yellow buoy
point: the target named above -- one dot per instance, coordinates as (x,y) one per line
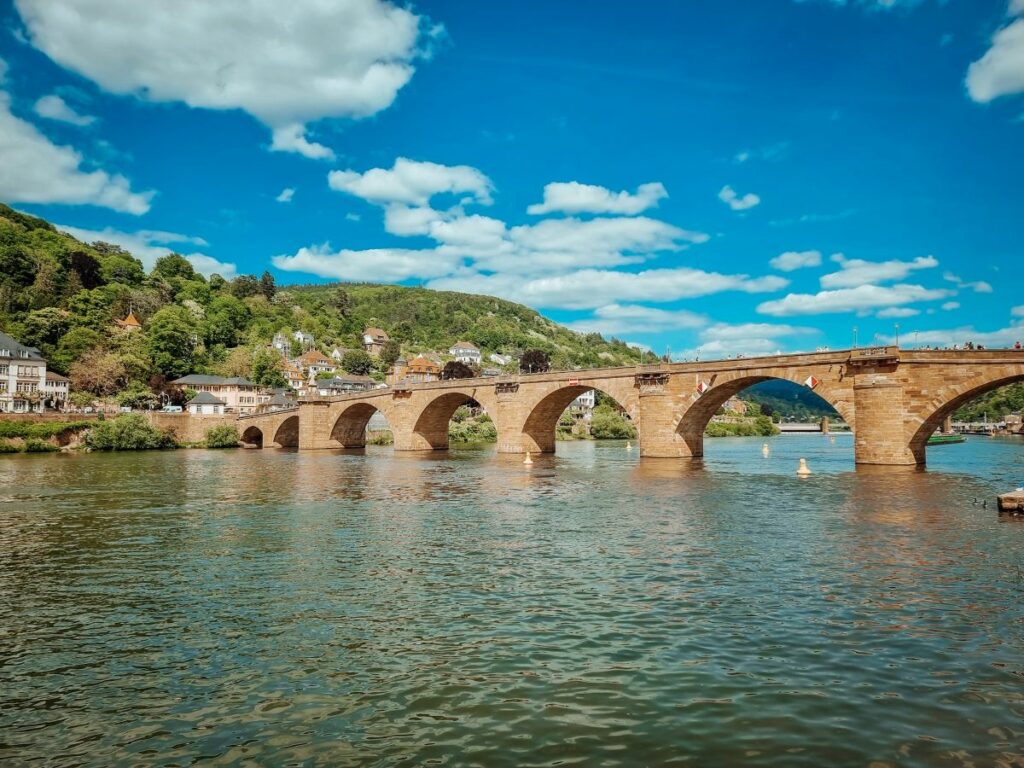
(803,470)
(629,446)
(765,450)
(527,460)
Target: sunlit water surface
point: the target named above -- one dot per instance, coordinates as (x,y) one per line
(273,607)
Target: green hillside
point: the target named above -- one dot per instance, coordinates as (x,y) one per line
(64,297)
(994,406)
(787,399)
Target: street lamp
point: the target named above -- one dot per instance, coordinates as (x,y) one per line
(855,337)
(897,327)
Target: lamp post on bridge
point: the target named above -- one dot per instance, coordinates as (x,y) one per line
(897,327)
(855,337)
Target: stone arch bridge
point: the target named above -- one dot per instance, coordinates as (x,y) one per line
(893,399)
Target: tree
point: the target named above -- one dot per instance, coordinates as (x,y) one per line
(266,369)
(72,346)
(44,327)
(174,265)
(608,424)
(17,266)
(88,269)
(169,393)
(171,341)
(357,362)
(244,286)
(139,398)
(238,363)
(341,301)
(455,369)
(534,361)
(100,372)
(267,286)
(389,354)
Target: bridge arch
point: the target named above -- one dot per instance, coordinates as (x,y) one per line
(287,433)
(948,399)
(349,429)
(253,436)
(540,427)
(696,417)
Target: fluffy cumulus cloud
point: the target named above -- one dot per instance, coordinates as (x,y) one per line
(373,265)
(623,319)
(1000,71)
(863,298)
(411,182)
(793,260)
(53,107)
(949,306)
(572,197)
(35,170)
(898,312)
(286,195)
(149,245)
(978,286)
(287,64)
(738,202)
(726,340)
(857,272)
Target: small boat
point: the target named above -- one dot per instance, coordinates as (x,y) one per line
(946,439)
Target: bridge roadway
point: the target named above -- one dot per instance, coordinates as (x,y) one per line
(892,398)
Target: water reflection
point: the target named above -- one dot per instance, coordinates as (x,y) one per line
(369,607)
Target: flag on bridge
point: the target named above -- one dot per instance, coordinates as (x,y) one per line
(811,382)
(702,387)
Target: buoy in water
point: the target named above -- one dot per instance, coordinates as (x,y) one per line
(832,439)
(527,460)
(803,470)
(629,446)
(765,450)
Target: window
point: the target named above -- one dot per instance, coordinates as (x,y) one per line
(4,370)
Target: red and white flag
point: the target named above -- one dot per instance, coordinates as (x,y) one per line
(811,382)
(702,387)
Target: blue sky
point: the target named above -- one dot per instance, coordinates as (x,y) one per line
(707,176)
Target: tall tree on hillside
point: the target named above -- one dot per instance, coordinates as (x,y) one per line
(174,265)
(534,361)
(266,369)
(88,269)
(341,301)
(455,369)
(357,362)
(245,286)
(267,286)
(171,340)
(389,353)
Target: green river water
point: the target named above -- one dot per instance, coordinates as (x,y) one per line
(460,608)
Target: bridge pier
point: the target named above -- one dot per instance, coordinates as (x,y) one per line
(879,435)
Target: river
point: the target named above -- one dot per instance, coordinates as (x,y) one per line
(274,607)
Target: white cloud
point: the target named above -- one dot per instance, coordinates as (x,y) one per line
(619,319)
(897,312)
(413,183)
(951,305)
(573,197)
(148,245)
(374,265)
(792,260)
(1017,311)
(590,288)
(3,71)
(1001,337)
(978,286)
(37,171)
(726,340)
(286,195)
(728,332)
(857,272)
(736,202)
(863,298)
(292,138)
(768,153)
(1000,71)
(53,107)
(287,64)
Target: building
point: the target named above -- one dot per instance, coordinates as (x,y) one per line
(343,385)
(337,354)
(465,352)
(736,406)
(204,404)
(305,339)
(238,394)
(374,340)
(282,344)
(130,323)
(55,391)
(314,362)
(22,377)
(293,376)
(494,357)
(585,402)
(422,369)
(278,401)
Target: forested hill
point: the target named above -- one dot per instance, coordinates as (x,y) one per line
(64,297)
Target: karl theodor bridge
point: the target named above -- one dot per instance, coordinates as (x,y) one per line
(892,398)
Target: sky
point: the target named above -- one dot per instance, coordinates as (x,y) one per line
(704,178)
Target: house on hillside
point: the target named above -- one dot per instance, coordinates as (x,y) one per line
(465,352)
(374,340)
(239,394)
(337,354)
(282,344)
(206,404)
(293,376)
(22,377)
(278,401)
(343,385)
(585,402)
(314,362)
(55,391)
(305,339)
(130,323)
(494,357)
(422,369)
